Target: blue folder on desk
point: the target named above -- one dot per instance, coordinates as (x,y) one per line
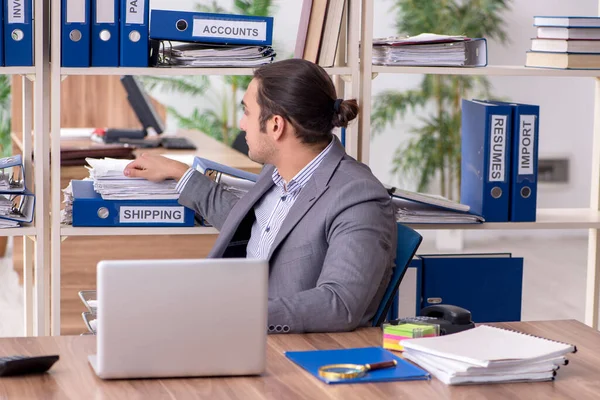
(89,209)
(311,361)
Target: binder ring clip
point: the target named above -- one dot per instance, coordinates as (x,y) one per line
(75,35)
(103,212)
(496,192)
(525,192)
(17,35)
(134,36)
(104,35)
(181,25)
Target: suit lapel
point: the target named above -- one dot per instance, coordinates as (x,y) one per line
(315,187)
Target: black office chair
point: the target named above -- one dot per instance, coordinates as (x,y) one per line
(240,144)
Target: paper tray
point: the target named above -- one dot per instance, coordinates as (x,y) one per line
(90,321)
(88,297)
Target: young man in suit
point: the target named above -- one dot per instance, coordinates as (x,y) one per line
(324,222)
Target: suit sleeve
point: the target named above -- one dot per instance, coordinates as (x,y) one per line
(361,248)
(206,198)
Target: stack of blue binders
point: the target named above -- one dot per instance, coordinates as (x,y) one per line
(499,160)
(105,33)
(16,36)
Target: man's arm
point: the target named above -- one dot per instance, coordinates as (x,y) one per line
(206,197)
(361,251)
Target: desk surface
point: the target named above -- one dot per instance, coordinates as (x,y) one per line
(206,147)
(73,378)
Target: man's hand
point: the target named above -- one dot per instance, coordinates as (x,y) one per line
(155,168)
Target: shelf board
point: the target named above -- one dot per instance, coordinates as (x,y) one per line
(490,70)
(17,70)
(178,71)
(547,218)
(22,231)
(130,231)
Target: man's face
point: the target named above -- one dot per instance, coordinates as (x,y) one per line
(260,145)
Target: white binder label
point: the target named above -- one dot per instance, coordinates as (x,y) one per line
(135,12)
(253,30)
(498,149)
(151,214)
(16,11)
(105,11)
(526,142)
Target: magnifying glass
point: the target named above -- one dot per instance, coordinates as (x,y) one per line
(352,371)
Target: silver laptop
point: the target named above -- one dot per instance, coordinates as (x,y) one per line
(178,318)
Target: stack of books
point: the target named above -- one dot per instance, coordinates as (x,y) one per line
(487,354)
(565,43)
(321,22)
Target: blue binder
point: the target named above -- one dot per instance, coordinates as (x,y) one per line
(23,207)
(134,49)
(524,164)
(75,33)
(2,34)
(312,360)
(89,209)
(211,28)
(18,33)
(488,285)
(105,33)
(485,162)
(207,166)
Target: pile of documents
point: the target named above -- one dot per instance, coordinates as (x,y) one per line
(16,202)
(111,184)
(215,55)
(487,354)
(419,208)
(428,49)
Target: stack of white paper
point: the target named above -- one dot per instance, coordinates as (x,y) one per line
(215,55)
(112,184)
(66,214)
(419,208)
(488,354)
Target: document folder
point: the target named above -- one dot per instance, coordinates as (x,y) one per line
(75,33)
(211,28)
(23,205)
(134,46)
(18,33)
(2,37)
(12,174)
(485,159)
(312,360)
(524,164)
(105,33)
(89,209)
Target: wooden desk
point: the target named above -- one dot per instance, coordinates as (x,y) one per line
(72,377)
(79,255)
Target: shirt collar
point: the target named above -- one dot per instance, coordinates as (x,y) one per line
(302,177)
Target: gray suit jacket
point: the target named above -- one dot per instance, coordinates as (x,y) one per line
(331,260)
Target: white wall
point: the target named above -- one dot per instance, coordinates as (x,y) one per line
(566,104)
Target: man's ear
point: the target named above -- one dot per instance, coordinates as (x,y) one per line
(277,125)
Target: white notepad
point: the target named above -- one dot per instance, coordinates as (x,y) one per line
(487,346)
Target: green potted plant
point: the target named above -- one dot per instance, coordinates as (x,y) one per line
(433,150)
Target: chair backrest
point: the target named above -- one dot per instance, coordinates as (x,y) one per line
(240,143)
(408,243)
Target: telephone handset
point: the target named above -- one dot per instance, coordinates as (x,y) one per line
(451,319)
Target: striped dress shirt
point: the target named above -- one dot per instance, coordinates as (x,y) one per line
(271,210)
